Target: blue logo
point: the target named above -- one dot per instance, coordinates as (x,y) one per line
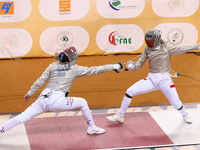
(7,8)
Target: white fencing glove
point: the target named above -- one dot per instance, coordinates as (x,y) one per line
(130,66)
(116,66)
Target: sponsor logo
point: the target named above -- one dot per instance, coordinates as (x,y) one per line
(88,122)
(118,5)
(175,36)
(64,7)
(7,8)
(8,43)
(56,10)
(176,5)
(115,39)
(65,39)
(2,130)
(70,101)
(62,68)
(115,4)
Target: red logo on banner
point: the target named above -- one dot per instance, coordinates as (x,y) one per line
(115,39)
(112,37)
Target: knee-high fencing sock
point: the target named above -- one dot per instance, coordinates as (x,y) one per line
(124,106)
(182,110)
(88,116)
(10,124)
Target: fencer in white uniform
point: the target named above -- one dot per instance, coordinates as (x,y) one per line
(61,75)
(158,54)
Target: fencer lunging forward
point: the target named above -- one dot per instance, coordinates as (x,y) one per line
(158,53)
(61,75)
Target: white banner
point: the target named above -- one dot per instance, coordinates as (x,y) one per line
(120,8)
(56,39)
(14,42)
(57,10)
(120,38)
(14,10)
(178,33)
(175,8)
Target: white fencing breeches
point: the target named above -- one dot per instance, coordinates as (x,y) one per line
(153,82)
(56,103)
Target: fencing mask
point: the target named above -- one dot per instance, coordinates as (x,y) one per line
(152,38)
(68,56)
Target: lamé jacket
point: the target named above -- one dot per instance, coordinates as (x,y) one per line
(61,76)
(159,57)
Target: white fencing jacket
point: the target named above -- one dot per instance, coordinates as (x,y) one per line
(159,57)
(62,76)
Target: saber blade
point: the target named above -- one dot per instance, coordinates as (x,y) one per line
(131,59)
(188,77)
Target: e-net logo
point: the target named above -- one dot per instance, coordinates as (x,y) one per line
(115,39)
(7,8)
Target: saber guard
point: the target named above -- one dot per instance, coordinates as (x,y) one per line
(119,70)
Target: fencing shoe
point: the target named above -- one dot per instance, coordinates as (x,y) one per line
(187,118)
(116,118)
(96,130)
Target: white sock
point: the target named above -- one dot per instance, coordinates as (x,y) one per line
(124,106)
(11,123)
(183,111)
(88,116)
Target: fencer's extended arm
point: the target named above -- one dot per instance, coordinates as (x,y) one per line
(177,50)
(40,81)
(87,71)
(139,63)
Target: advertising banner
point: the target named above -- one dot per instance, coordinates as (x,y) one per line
(39,28)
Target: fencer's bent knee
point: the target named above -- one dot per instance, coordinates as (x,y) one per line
(129,93)
(83,103)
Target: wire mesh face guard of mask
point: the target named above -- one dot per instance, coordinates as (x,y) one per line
(68,56)
(152,38)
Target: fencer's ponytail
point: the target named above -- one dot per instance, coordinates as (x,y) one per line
(162,41)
